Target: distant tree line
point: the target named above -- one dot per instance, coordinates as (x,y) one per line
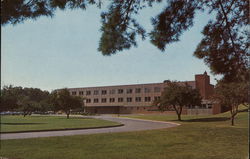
(28,100)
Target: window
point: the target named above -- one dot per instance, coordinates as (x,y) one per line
(157,89)
(73,93)
(129,99)
(104,100)
(104,92)
(209,106)
(88,100)
(120,99)
(96,100)
(112,91)
(129,91)
(203,106)
(147,90)
(157,98)
(88,93)
(147,99)
(81,93)
(111,100)
(96,92)
(138,99)
(120,91)
(138,90)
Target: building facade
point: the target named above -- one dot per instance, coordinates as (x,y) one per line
(138,98)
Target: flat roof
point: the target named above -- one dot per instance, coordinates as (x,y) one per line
(128,85)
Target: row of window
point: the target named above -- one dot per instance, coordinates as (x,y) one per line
(203,106)
(129,99)
(119,91)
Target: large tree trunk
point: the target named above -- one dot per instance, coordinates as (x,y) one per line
(68,112)
(179,116)
(178,111)
(24,114)
(232,120)
(234,111)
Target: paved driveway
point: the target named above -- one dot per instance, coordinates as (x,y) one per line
(129,125)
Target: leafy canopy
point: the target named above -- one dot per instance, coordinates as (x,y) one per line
(176,96)
(62,100)
(19,98)
(223,46)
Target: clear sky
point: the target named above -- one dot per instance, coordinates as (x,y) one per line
(52,53)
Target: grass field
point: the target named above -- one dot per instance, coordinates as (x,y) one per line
(196,138)
(30,123)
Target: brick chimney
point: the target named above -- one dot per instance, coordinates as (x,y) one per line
(202,82)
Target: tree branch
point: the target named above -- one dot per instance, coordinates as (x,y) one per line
(227,25)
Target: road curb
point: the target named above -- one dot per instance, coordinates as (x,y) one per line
(65,129)
(167,122)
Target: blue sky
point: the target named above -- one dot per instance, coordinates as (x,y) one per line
(51,53)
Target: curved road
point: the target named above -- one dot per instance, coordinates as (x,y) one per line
(129,125)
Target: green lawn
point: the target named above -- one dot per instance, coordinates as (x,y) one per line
(209,138)
(30,123)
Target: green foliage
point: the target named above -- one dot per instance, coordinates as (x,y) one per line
(170,23)
(27,106)
(176,96)
(17,11)
(119,28)
(232,95)
(64,101)
(9,97)
(24,99)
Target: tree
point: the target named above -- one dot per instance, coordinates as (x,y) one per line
(24,99)
(27,106)
(64,101)
(177,96)
(9,97)
(232,95)
(223,47)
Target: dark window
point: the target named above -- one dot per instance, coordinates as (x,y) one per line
(129,99)
(120,99)
(147,99)
(104,100)
(120,91)
(104,92)
(138,90)
(88,93)
(203,106)
(157,98)
(81,93)
(129,91)
(209,106)
(96,100)
(138,99)
(88,100)
(96,92)
(111,100)
(73,93)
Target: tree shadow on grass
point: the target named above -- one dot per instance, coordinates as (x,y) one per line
(22,123)
(214,119)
